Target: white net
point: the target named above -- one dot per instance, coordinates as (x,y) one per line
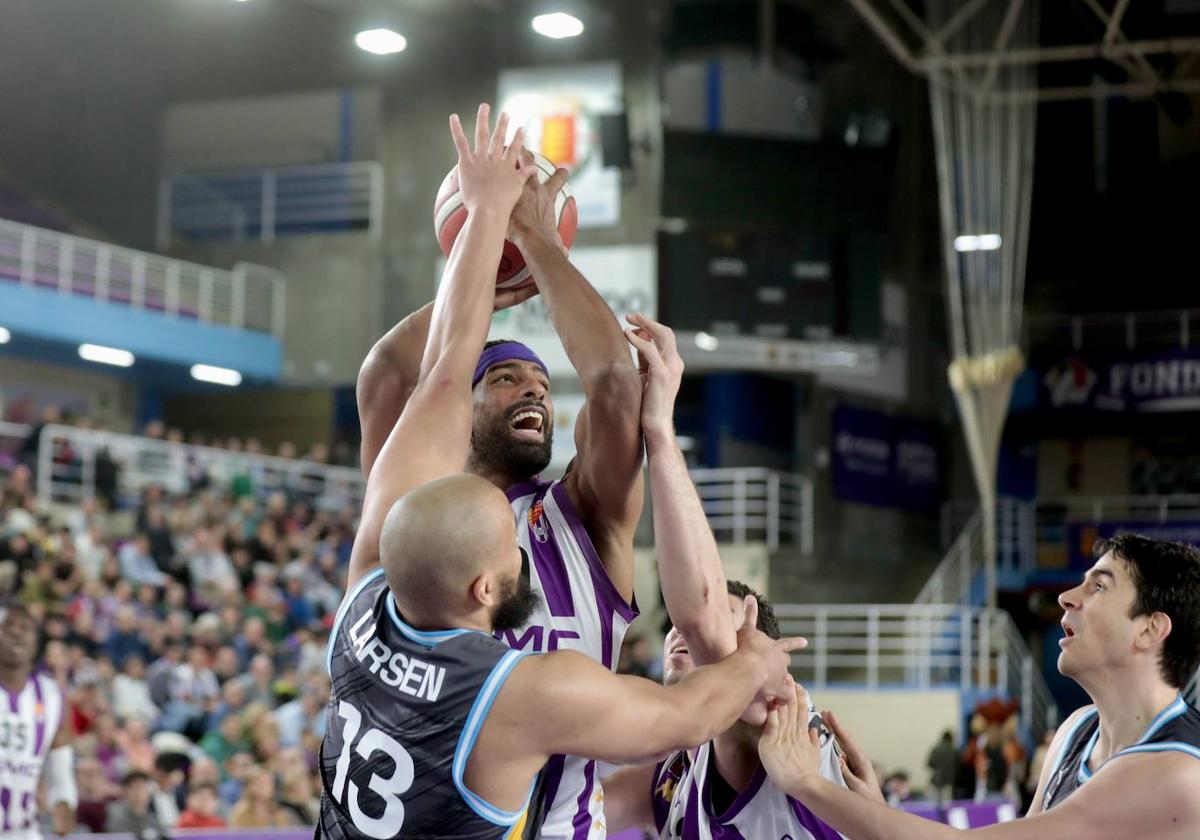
(984,132)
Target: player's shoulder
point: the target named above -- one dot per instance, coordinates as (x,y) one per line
(1167,776)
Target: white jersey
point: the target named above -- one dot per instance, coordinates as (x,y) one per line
(683,801)
(581,610)
(29,720)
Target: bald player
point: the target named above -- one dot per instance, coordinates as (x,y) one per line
(578,532)
(1127,766)
(437,729)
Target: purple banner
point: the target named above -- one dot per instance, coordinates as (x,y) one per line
(885,461)
(1164,382)
(1082,536)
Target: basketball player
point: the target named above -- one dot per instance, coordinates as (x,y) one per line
(578,532)
(33,740)
(722,787)
(436,728)
(1128,766)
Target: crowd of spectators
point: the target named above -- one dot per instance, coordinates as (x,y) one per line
(188,630)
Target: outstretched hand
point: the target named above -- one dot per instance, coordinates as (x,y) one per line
(789,750)
(857,769)
(778,686)
(492,175)
(661,369)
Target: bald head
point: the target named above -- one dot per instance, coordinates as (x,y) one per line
(441,536)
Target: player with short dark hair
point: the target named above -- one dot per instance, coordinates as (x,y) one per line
(1127,766)
(34,743)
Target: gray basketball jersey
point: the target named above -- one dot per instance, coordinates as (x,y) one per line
(405,709)
(1175,729)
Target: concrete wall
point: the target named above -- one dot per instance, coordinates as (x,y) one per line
(897,729)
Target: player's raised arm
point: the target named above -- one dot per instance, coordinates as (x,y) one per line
(1141,795)
(689,565)
(566,703)
(432,436)
(389,373)
(605,480)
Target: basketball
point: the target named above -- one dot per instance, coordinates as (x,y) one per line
(449,216)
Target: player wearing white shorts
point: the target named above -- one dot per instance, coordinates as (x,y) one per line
(719,790)
(33,739)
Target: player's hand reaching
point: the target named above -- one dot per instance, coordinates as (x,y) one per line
(534,213)
(661,368)
(507,298)
(492,176)
(857,769)
(789,750)
(778,685)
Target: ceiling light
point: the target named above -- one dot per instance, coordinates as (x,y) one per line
(380,41)
(707,342)
(216,375)
(5,336)
(558,25)
(105,355)
(983,242)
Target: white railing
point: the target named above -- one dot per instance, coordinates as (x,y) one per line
(68,458)
(1105,330)
(248,297)
(754,504)
(951,582)
(257,205)
(920,647)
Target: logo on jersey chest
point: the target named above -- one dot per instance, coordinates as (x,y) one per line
(537,522)
(535,638)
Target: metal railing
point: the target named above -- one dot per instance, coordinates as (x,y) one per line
(78,464)
(1106,330)
(248,297)
(754,504)
(920,647)
(257,205)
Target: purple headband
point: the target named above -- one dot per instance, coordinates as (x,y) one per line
(506,351)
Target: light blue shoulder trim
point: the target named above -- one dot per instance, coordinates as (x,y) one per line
(1066,744)
(1164,717)
(1165,746)
(362,584)
(428,638)
(466,742)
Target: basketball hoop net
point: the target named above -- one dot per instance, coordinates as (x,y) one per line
(984,144)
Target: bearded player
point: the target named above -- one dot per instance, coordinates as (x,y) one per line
(578,531)
(34,743)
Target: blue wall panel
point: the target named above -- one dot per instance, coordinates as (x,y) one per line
(52,316)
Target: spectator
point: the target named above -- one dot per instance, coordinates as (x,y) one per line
(136,747)
(238,768)
(223,741)
(943,761)
(194,692)
(133,814)
(257,807)
(202,808)
(126,639)
(95,792)
(161,675)
(257,683)
(209,568)
(137,565)
(170,778)
(301,722)
(298,801)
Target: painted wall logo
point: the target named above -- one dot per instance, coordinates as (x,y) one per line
(1070,383)
(1167,382)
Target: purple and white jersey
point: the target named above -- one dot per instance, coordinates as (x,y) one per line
(581,610)
(684,810)
(29,720)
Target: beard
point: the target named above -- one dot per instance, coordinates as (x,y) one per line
(494,447)
(517,603)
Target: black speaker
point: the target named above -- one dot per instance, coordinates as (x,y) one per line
(614,140)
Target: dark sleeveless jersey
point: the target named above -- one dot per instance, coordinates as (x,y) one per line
(1175,729)
(404,711)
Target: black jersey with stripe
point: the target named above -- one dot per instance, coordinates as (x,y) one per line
(1175,729)
(405,709)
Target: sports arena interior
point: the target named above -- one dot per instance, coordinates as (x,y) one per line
(929,265)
